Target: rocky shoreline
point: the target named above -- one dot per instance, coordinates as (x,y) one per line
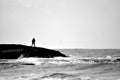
(13,51)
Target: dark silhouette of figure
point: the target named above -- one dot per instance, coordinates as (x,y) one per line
(33,42)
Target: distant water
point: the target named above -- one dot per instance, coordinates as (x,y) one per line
(71,68)
(91,52)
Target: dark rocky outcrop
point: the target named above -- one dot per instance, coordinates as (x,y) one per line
(13,51)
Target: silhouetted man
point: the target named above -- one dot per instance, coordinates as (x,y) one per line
(33,42)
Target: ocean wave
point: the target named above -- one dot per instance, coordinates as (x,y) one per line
(54,76)
(28,77)
(68,60)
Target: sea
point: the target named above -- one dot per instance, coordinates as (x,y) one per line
(81,64)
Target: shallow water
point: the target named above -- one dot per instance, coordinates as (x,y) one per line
(63,68)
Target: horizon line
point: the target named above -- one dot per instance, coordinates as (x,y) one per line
(60,47)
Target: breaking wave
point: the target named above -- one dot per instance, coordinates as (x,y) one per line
(70,68)
(54,76)
(68,60)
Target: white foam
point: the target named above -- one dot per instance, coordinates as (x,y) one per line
(65,60)
(30,60)
(85,78)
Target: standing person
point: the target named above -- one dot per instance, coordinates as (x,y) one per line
(33,42)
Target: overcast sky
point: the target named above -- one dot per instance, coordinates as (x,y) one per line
(61,23)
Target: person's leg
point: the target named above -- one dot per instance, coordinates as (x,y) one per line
(34,44)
